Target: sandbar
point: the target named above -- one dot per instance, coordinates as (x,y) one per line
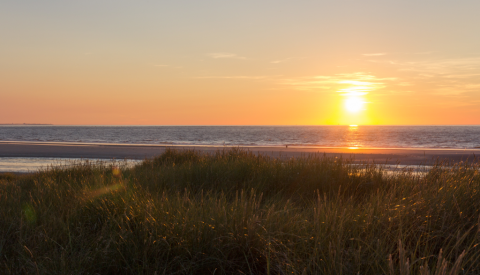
(411,156)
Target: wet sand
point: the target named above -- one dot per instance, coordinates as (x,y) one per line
(127,151)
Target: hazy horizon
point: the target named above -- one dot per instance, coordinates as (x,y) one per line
(227,125)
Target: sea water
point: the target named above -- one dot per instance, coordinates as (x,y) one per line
(424,137)
(455,137)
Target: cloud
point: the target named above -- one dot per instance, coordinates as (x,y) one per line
(358,83)
(444,66)
(225,55)
(447,76)
(426,73)
(232,77)
(424,53)
(282,60)
(374,54)
(167,66)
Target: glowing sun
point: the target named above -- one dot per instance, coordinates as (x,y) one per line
(354,104)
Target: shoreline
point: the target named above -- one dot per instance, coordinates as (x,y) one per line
(403,156)
(290,146)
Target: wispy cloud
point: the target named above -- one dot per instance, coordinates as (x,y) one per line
(424,52)
(447,76)
(374,54)
(358,83)
(282,60)
(225,55)
(233,77)
(443,66)
(427,73)
(167,66)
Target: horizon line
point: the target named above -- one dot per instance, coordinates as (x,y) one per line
(224,125)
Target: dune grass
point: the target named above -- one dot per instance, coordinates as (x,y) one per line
(233,212)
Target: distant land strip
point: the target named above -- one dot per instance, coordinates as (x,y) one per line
(1,124)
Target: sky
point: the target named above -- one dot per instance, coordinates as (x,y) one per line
(247,62)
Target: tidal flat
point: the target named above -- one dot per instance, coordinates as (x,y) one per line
(236,212)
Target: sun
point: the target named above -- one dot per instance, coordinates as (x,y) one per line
(354,104)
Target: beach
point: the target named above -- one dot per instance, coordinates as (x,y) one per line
(412,156)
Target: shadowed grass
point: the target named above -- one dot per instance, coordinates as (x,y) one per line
(233,212)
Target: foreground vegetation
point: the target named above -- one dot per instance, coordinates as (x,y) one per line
(237,213)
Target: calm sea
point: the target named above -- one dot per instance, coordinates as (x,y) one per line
(454,137)
(322,136)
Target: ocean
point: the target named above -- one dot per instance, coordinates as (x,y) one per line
(425,137)
(455,137)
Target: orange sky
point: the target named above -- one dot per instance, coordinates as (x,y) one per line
(243,63)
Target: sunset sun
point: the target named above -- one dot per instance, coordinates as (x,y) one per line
(354,104)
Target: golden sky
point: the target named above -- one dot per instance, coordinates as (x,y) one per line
(240,62)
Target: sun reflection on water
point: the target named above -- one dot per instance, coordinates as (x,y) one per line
(352,137)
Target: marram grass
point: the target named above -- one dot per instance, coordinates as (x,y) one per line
(233,212)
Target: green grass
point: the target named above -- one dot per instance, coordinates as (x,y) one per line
(237,213)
